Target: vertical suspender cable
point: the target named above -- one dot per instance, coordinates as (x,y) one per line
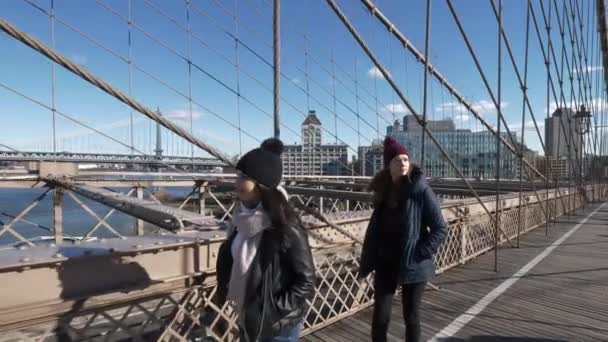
(548,164)
(524,90)
(237,68)
(427,38)
(130,68)
(408,104)
(53,77)
(498,114)
(276,47)
(189,35)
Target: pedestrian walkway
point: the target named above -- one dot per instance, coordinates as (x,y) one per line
(553,288)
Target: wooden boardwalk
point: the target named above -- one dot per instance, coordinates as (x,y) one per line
(563,297)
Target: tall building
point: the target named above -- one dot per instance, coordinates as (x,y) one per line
(410,124)
(473,152)
(559,135)
(396,127)
(311,130)
(558,167)
(312,157)
(371,158)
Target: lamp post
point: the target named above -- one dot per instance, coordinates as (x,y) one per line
(582,123)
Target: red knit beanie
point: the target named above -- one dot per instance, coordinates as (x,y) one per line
(393,148)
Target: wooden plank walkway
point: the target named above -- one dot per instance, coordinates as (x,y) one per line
(564,297)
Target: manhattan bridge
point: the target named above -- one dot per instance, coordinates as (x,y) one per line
(122,121)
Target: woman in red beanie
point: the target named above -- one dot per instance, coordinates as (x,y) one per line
(404,232)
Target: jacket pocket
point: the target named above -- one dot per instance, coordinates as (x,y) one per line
(408,255)
(421,253)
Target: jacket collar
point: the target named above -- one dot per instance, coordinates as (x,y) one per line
(417,183)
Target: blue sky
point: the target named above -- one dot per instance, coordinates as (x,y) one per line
(311,36)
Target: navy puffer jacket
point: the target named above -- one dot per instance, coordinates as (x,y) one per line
(423,230)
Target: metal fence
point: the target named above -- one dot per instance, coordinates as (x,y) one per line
(180,308)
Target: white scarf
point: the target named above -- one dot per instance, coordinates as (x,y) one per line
(249,223)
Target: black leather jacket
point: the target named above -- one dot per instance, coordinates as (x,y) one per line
(281,279)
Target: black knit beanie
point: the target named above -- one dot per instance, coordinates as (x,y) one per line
(264,164)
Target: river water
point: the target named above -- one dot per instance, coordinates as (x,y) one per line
(76,221)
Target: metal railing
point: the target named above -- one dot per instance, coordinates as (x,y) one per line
(180,308)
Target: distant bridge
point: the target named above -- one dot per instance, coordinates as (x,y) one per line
(109,158)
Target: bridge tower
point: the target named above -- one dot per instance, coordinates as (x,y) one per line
(159,146)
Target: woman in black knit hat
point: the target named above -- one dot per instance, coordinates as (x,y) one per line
(405,231)
(265,267)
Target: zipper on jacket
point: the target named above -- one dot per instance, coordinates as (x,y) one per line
(266,272)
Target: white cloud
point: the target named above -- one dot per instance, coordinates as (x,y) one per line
(596,104)
(83,131)
(79,58)
(589,69)
(296,80)
(396,108)
(481,128)
(462,118)
(374,72)
(482,107)
(180,116)
(183,115)
(218,138)
(528,126)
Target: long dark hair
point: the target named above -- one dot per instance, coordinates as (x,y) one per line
(384,189)
(280,212)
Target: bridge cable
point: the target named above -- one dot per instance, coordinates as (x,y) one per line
(427,42)
(580,100)
(87,76)
(237,69)
(351,78)
(442,80)
(568,135)
(548,67)
(498,116)
(174,21)
(546,57)
(487,86)
(523,87)
(524,90)
(406,43)
(580,70)
(7,146)
(35,44)
(311,58)
(85,125)
(54,122)
(416,115)
(189,56)
(130,65)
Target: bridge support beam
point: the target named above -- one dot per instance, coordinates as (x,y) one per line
(201,198)
(58,169)
(58,215)
(140,223)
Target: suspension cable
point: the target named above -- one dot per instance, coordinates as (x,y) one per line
(416,115)
(89,77)
(441,79)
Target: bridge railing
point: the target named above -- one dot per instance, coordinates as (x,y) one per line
(174,301)
(208,195)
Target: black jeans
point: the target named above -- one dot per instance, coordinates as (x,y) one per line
(385,285)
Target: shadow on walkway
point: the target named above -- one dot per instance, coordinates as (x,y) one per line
(486,338)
